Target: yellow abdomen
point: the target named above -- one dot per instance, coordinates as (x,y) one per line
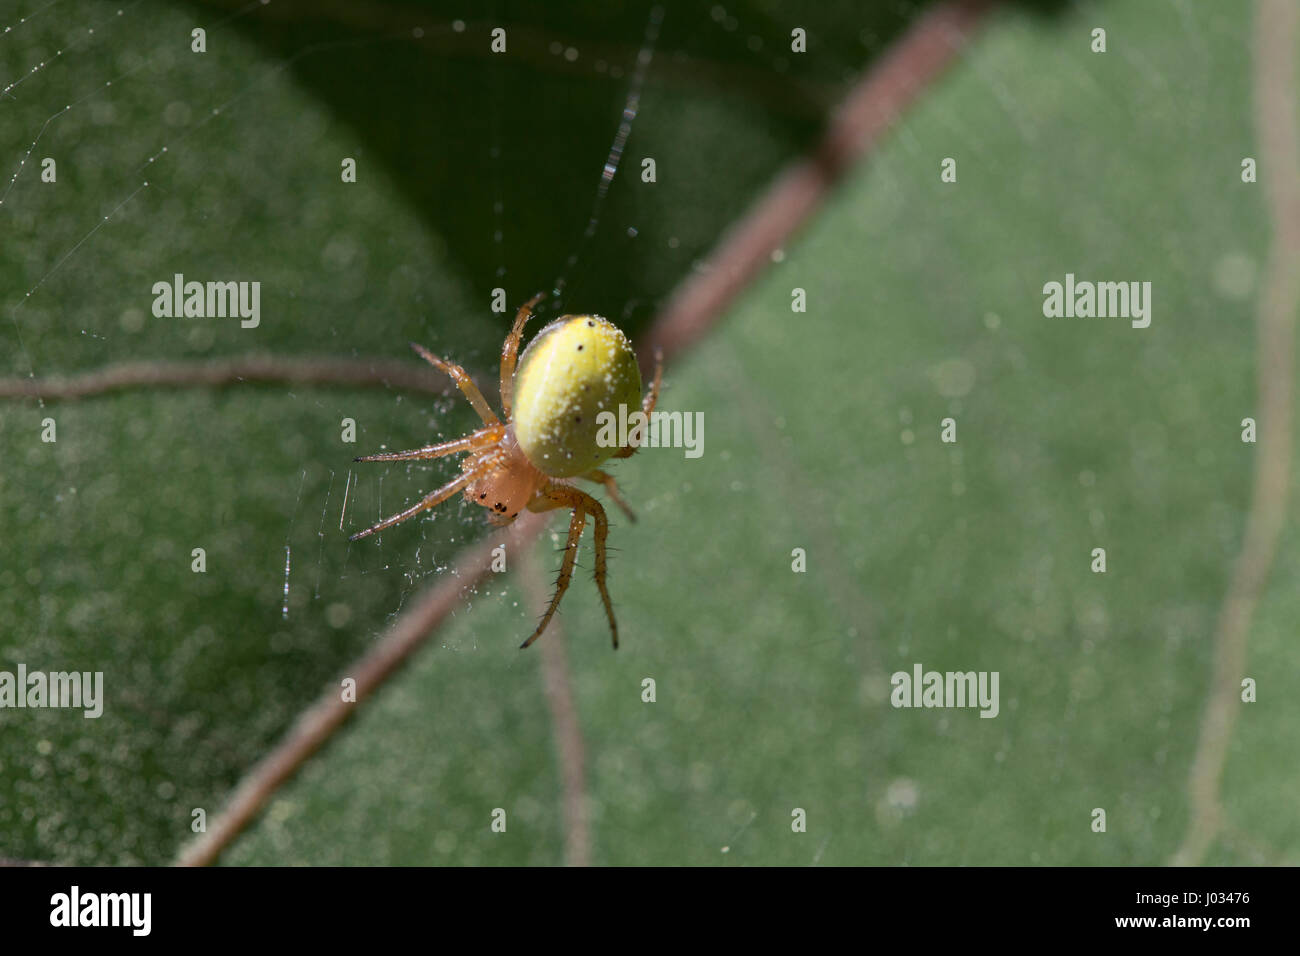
(576,368)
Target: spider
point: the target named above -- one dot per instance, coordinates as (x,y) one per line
(574,368)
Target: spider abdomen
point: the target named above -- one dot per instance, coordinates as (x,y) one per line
(577,367)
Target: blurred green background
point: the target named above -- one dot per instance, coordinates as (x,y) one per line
(821,432)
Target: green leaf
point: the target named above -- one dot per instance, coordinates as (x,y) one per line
(241,147)
(823,433)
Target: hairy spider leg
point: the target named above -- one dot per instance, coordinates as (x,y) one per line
(648,403)
(463,381)
(471,442)
(611,488)
(510,354)
(555,495)
(433,498)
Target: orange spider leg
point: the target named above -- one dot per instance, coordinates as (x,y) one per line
(472,442)
(559,496)
(648,403)
(611,489)
(432,499)
(510,353)
(463,381)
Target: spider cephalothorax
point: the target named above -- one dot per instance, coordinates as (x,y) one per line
(575,368)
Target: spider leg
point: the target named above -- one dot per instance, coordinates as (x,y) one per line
(430,500)
(479,439)
(576,524)
(463,382)
(611,489)
(648,403)
(510,353)
(583,504)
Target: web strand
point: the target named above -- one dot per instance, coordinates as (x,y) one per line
(630,108)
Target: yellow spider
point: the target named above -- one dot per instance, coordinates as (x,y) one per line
(575,368)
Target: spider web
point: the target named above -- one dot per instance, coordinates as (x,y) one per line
(480,173)
(222,165)
(86,41)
